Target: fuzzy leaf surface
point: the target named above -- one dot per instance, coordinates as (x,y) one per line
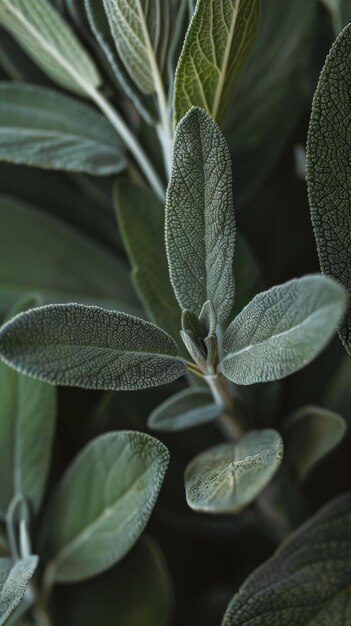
(281,330)
(14,579)
(185,409)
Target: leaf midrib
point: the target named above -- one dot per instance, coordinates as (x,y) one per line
(225,63)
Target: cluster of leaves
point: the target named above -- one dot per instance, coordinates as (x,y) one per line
(153,84)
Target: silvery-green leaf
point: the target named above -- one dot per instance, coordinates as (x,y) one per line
(281,330)
(307,581)
(217,43)
(140,32)
(99,509)
(39,253)
(340,11)
(43,128)
(89,347)
(309,434)
(226,478)
(200,222)
(14,579)
(185,409)
(328,171)
(50,42)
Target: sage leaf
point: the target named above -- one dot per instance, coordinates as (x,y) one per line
(89,347)
(307,581)
(99,510)
(200,222)
(50,42)
(43,128)
(309,434)
(64,265)
(340,11)
(185,409)
(281,330)
(217,43)
(14,579)
(328,172)
(226,478)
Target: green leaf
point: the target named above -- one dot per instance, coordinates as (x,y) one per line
(141,220)
(200,222)
(309,434)
(217,43)
(100,509)
(328,171)
(340,11)
(50,42)
(281,330)
(57,261)
(89,347)
(43,128)
(14,579)
(140,32)
(185,409)
(307,582)
(226,478)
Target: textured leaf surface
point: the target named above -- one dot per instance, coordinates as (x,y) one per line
(50,42)
(281,330)
(100,509)
(43,128)
(200,222)
(217,43)
(14,579)
(307,582)
(185,409)
(90,347)
(226,478)
(40,253)
(328,168)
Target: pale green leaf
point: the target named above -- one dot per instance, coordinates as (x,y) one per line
(340,11)
(226,478)
(99,509)
(200,222)
(14,579)
(50,42)
(89,347)
(309,434)
(307,582)
(217,43)
(43,128)
(185,409)
(328,169)
(281,330)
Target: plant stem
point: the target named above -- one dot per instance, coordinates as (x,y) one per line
(228,421)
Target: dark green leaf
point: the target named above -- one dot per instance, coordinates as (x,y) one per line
(14,579)
(185,409)
(340,11)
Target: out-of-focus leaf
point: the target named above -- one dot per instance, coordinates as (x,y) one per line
(185,409)
(341,13)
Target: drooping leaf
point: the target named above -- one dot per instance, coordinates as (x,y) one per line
(226,478)
(185,409)
(40,253)
(100,509)
(307,582)
(217,43)
(89,347)
(341,13)
(328,171)
(200,222)
(281,330)
(50,42)
(43,128)
(14,579)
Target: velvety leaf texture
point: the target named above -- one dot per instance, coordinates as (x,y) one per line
(328,167)
(307,582)
(200,221)
(281,330)
(89,347)
(14,579)
(100,508)
(185,409)
(217,43)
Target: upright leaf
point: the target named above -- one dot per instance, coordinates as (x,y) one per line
(217,43)
(328,171)
(89,347)
(307,581)
(200,222)
(281,330)
(100,509)
(14,579)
